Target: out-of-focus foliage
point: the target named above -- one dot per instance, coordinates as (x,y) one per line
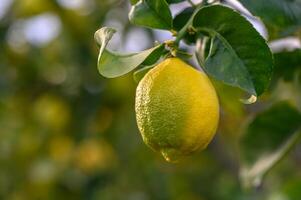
(67,133)
(112,65)
(282,17)
(268,137)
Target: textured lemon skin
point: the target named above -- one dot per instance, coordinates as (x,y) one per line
(177,109)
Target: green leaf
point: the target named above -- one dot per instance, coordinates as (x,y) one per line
(155,55)
(152,14)
(238,55)
(287,63)
(174,1)
(284,15)
(182,18)
(139,74)
(269,136)
(112,64)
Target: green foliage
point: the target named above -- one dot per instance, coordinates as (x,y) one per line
(229,58)
(287,64)
(230,50)
(281,16)
(268,138)
(152,14)
(238,55)
(174,1)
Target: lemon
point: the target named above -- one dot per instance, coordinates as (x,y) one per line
(177,109)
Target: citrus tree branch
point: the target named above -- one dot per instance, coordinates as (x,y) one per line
(188,25)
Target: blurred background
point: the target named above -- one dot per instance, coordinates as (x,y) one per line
(68,133)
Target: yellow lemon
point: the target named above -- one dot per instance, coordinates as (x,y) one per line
(177,109)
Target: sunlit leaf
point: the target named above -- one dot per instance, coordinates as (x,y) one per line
(112,64)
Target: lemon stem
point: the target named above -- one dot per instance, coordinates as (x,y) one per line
(187,26)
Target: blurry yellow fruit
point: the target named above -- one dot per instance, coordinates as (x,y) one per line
(52,111)
(177,109)
(93,155)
